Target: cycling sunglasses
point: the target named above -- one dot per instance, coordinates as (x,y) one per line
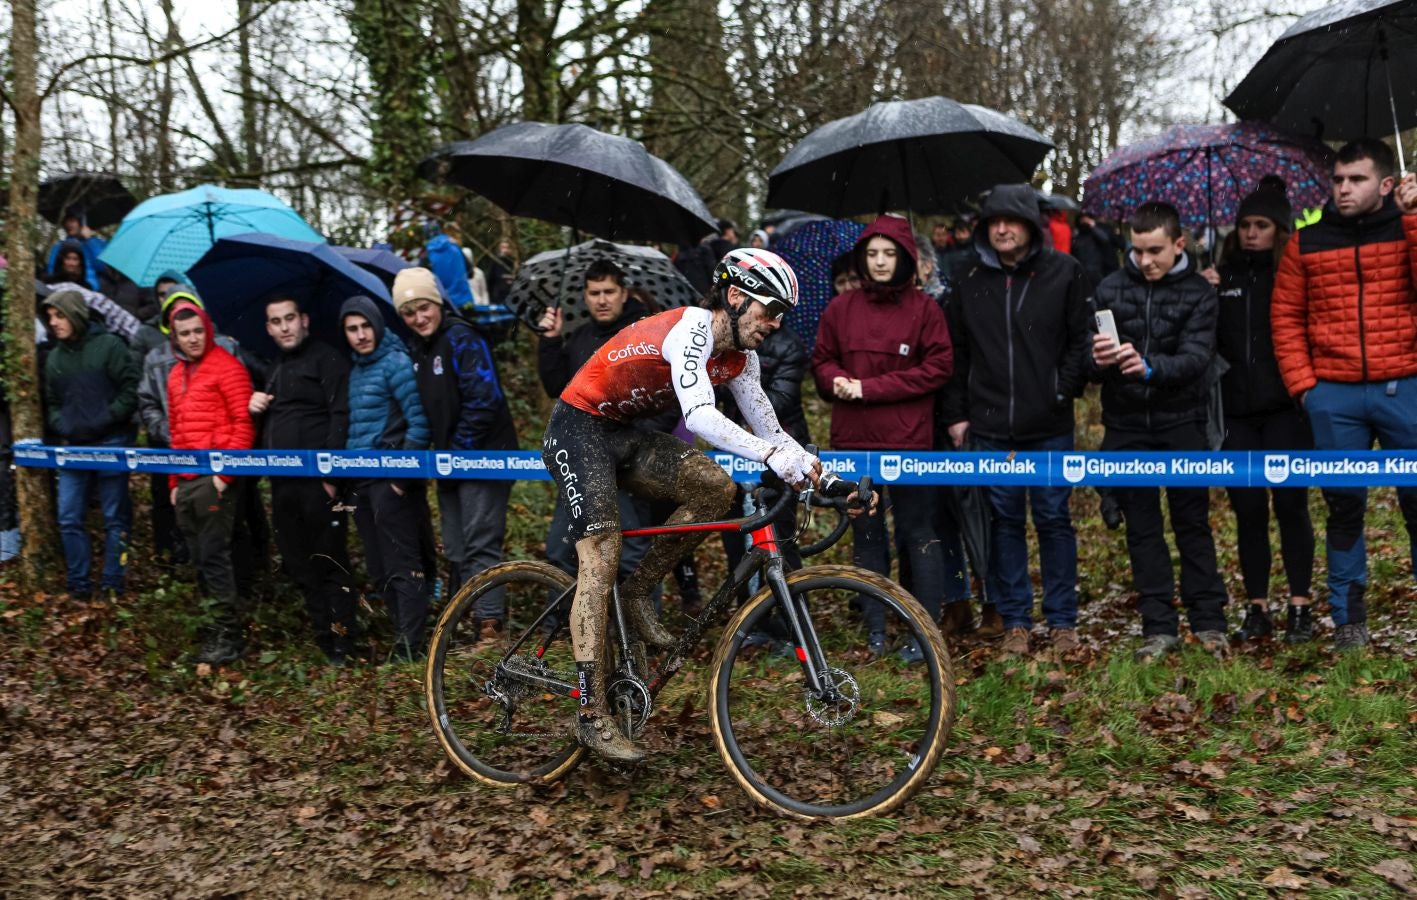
(776,308)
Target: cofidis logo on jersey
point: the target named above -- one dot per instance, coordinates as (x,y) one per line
(640,349)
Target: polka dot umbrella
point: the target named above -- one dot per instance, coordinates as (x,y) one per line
(556,277)
(810,250)
(1205,171)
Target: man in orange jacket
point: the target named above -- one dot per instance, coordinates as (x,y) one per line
(1344,318)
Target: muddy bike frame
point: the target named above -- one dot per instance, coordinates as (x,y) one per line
(633,691)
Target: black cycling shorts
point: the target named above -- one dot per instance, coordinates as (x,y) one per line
(590,456)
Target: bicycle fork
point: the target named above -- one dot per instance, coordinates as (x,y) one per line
(804,634)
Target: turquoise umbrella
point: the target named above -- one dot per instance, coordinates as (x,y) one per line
(173,231)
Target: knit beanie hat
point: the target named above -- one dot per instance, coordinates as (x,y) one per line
(1268,201)
(416,283)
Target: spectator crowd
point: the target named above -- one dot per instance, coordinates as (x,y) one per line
(980,336)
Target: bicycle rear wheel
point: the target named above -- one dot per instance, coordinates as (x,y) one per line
(862,753)
(502,730)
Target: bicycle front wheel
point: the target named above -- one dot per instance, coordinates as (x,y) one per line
(867,746)
(499,721)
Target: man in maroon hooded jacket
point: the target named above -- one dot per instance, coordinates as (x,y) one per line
(883,350)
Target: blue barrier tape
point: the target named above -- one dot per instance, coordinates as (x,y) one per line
(1308,468)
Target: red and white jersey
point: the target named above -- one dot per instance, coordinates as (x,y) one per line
(633,374)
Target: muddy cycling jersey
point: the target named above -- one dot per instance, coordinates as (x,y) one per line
(667,358)
(630,376)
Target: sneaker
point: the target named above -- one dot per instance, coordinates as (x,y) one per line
(601,736)
(1299,624)
(220,647)
(911,654)
(991,624)
(1015,643)
(1155,646)
(1258,624)
(1353,636)
(755,640)
(876,643)
(956,619)
(1064,640)
(1214,642)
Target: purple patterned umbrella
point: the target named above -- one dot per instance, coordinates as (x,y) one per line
(809,250)
(1206,170)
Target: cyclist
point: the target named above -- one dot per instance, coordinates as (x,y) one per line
(590,444)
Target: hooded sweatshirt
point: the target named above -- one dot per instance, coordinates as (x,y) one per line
(1020,333)
(90,379)
(88,251)
(208,398)
(894,339)
(385,412)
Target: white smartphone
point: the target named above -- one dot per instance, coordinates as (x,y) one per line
(1107,324)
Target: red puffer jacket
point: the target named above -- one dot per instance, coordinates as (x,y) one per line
(1343,307)
(892,337)
(208,399)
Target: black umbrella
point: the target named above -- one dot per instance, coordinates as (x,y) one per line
(920,155)
(555,278)
(573,175)
(1057,201)
(99,196)
(1331,74)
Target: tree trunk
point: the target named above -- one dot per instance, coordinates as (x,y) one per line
(21,374)
(249,110)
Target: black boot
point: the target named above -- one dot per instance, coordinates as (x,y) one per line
(1258,624)
(1299,624)
(1109,507)
(222,646)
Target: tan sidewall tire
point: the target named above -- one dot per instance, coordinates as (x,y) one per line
(450,613)
(945,686)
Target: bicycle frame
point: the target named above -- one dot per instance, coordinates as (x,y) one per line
(763,556)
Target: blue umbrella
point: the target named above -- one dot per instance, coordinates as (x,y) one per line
(810,250)
(383,264)
(239,274)
(174,230)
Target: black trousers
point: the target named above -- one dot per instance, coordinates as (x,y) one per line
(167,538)
(391,530)
(913,509)
(1284,430)
(313,541)
(1202,588)
(207,520)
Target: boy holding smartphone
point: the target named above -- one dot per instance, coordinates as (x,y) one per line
(1154,398)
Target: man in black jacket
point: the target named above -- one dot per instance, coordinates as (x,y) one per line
(558,359)
(462,395)
(305,405)
(1097,247)
(1019,327)
(1154,394)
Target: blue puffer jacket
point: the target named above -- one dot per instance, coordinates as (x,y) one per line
(384,410)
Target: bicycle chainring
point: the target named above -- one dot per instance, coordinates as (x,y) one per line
(836,711)
(629,699)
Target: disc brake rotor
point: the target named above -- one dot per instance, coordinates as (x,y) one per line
(840,708)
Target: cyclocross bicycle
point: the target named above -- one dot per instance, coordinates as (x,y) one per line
(811,726)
